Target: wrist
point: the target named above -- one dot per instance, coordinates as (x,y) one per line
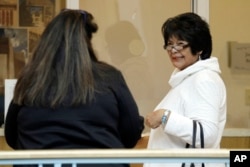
(165,117)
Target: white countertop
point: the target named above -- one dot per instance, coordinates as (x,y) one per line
(236,132)
(1,132)
(228,132)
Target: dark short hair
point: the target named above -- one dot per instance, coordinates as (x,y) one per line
(192,28)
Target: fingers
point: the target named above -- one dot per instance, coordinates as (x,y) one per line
(149,121)
(153,119)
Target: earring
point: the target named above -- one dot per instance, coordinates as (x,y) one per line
(199,55)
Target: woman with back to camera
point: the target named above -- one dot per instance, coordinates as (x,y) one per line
(197,90)
(66,99)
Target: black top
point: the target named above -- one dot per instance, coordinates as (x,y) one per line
(111,121)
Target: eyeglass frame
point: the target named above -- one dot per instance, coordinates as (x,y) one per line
(178,47)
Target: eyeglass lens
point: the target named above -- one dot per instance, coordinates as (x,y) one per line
(176,47)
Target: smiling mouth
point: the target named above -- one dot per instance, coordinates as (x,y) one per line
(177,57)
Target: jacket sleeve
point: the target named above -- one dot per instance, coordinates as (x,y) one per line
(208,100)
(10,125)
(131,124)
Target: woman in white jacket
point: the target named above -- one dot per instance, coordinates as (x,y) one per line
(197,90)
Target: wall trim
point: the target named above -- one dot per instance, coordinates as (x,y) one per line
(72,4)
(201,7)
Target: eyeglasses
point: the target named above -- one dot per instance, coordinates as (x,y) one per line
(177,47)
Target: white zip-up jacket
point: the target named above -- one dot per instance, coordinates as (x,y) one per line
(197,93)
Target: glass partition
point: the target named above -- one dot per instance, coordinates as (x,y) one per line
(129,37)
(229,22)
(21,24)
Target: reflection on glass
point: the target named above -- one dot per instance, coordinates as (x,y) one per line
(126,53)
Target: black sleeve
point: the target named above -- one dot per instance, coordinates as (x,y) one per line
(10,125)
(131,124)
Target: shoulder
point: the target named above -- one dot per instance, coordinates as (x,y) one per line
(208,81)
(209,76)
(107,69)
(108,74)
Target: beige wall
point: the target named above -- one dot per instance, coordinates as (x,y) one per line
(229,21)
